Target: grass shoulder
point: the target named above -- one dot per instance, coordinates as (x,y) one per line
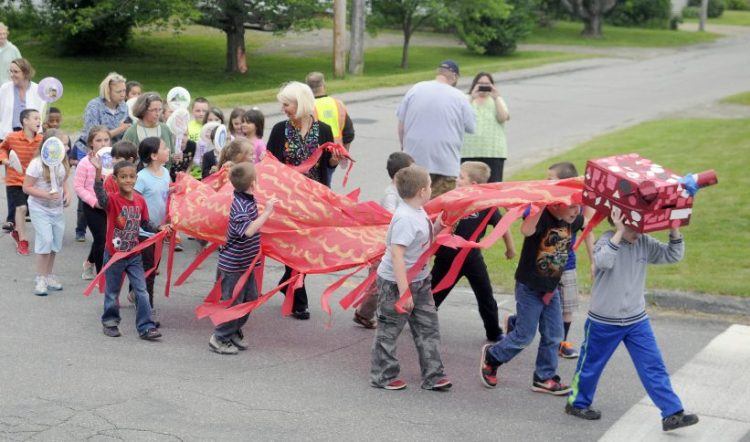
(732,18)
(721,215)
(743,99)
(569,33)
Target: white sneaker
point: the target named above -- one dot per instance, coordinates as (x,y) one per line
(40,286)
(89,271)
(222,347)
(53,283)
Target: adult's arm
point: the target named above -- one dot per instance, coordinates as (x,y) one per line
(501,110)
(347,133)
(470,118)
(276,141)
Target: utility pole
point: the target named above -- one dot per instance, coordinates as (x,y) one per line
(357,39)
(339,29)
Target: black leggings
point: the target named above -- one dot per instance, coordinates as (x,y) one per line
(496,167)
(475,270)
(96,219)
(300,295)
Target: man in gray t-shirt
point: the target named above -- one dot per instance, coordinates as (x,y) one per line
(433,117)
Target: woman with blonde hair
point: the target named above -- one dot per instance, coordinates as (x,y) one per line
(108,109)
(292,142)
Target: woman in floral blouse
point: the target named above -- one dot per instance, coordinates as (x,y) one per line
(292,142)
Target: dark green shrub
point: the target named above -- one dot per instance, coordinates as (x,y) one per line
(738,5)
(691,12)
(641,13)
(715,7)
(494,27)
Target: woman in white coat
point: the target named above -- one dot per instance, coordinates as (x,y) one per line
(16,95)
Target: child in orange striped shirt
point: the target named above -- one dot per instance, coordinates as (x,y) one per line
(24,144)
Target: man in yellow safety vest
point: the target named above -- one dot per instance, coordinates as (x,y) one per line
(331,110)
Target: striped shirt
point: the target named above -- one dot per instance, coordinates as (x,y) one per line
(24,148)
(240,250)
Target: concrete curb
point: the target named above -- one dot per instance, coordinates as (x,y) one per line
(700,302)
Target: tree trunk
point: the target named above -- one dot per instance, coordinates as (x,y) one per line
(236,61)
(405,52)
(357,39)
(593,26)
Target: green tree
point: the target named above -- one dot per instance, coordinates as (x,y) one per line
(234,16)
(493,27)
(408,15)
(100,26)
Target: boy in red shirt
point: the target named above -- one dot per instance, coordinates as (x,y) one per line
(126,213)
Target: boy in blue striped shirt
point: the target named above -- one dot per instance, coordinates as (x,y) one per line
(241,248)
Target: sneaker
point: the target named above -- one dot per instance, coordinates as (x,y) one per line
(80,237)
(567,351)
(154,318)
(112,332)
(587,413)
(487,371)
(510,323)
(222,347)
(53,283)
(238,339)
(23,248)
(443,384)
(550,386)
(364,322)
(151,334)
(89,271)
(301,314)
(396,384)
(178,248)
(678,420)
(9,226)
(40,286)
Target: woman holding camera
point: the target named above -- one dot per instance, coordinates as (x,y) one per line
(487,144)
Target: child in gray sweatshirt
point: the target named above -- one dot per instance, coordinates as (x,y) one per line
(618,314)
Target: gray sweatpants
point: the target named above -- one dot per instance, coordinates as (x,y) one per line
(423,322)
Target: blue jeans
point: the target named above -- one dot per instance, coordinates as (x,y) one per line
(133,267)
(530,314)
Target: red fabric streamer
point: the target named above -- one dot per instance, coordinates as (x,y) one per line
(121,255)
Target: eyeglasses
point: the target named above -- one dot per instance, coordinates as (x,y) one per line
(156,111)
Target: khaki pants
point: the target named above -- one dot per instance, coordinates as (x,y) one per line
(442,184)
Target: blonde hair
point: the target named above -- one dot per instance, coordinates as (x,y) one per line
(410,180)
(300,93)
(476,171)
(26,69)
(112,77)
(238,146)
(45,168)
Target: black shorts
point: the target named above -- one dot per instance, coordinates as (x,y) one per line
(16,197)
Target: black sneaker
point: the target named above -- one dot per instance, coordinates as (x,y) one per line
(151,334)
(587,413)
(112,332)
(487,370)
(678,420)
(301,314)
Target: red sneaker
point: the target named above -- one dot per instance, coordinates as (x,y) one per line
(397,384)
(487,371)
(23,248)
(442,384)
(14,235)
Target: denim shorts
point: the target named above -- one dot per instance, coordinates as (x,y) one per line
(49,230)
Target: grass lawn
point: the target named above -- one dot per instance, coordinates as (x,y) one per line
(735,18)
(569,33)
(743,98)
(716,240)
(195,60)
